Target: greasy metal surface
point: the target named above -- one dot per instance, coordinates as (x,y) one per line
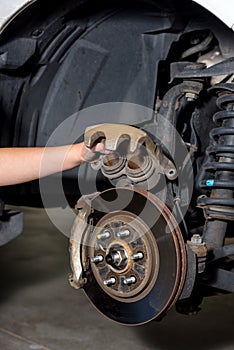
(172,268)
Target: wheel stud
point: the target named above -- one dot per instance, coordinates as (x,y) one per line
(97,259)
(123,234)
(129,281)
(104,235)
(138,256)
(109,282)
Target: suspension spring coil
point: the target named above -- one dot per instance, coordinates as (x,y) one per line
(219,165)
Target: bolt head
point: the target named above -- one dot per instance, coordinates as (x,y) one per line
(196,239)
(190,96)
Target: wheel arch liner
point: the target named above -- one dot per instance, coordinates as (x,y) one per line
(11,9)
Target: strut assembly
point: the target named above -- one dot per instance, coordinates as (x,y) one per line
(220,163)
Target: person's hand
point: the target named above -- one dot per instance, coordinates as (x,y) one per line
(92,154)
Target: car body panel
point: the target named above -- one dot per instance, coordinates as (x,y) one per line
(223,10)
(10,9)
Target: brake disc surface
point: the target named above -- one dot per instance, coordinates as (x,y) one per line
(137,256)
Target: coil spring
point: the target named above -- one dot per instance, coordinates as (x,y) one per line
(220,163)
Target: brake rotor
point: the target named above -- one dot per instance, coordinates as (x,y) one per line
(136,254)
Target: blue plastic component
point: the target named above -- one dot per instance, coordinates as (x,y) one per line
(210,183)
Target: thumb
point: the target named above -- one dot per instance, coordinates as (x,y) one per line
(100,147)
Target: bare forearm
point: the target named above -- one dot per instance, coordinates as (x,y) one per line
(19,165)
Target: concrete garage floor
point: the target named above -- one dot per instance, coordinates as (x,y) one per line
(39,310)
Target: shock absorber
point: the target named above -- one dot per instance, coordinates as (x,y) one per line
(219,206)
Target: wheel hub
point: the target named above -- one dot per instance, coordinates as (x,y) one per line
(130,258)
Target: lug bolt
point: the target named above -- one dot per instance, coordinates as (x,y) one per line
(104,235)
(129,281)
(97,259)
(138,256)
(109,282)
(123,234)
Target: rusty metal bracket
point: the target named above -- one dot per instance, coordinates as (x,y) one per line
(200,249)
(80,229)
(190,70)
